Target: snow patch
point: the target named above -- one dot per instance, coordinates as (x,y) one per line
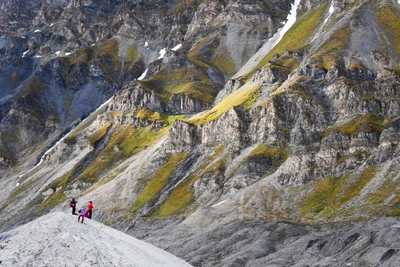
(222,202)
(331,10)
(23,54)
(290,20)
(37,31)
(57,53)
(69,53)
(271,43)
(162,53)
(180,45)
(146,44)
(143,75)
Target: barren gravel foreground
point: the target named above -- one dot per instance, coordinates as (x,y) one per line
(58,239)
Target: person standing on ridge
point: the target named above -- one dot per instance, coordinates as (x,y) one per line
(72,204)
(90,208)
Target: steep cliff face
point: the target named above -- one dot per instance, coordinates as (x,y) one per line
(80,53)
(187,151)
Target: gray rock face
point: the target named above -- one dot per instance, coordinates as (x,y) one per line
(183,104)
(182,137)
(135,97)
(294,164)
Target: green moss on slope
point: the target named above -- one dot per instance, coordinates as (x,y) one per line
(297,36)
(185,81)
(124,142)
(154,185)
(236,98)
(328,195)
(329,52)
(390,25)
(365,124)
(183,194)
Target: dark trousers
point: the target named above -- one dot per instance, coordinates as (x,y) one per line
(90,214)
(73,210)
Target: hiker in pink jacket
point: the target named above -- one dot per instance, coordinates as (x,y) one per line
(82,213)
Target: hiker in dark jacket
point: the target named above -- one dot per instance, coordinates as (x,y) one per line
(73,206)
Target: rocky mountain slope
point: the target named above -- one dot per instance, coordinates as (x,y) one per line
(211,124)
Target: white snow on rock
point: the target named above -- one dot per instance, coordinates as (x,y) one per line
(143,75)
(176,47)
(37,31)
(331,10)
(58,239)
(146,44)
(57,53)
(162,53)
(271,43)
(24,53)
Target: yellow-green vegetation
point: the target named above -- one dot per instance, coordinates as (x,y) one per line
(124,142)
(180,198)
(328,195)
(154,185)
(390,25)
(58,187)
(264,150)
(52,201)
(386,190)
(236,98)
(283,64)
(276,154)
(295,87)
(104,54)
(185,81)
(329,52)
(183,6)
(34,85)
(365,124)
(394,210)
(89,120)
(183,195)
(356,66)
(169,119)
(359,155)
(84,54)
(396,70)
(98,134)
(223,64)
(70,140)
(145,113)
(131,57)
(297,36)
(204,50)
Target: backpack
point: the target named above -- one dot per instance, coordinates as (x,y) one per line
(70,203)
